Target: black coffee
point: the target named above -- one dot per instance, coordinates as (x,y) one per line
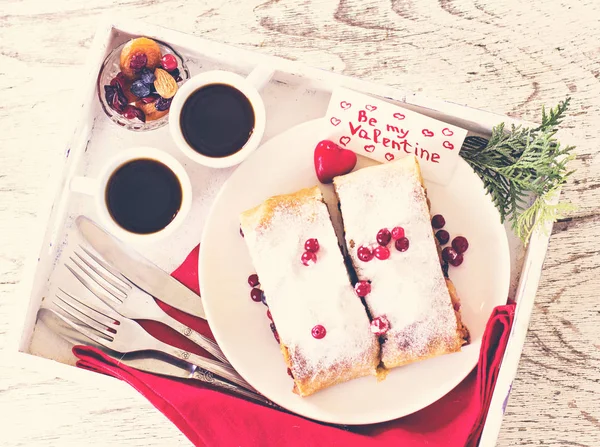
(143,196)
(217,120)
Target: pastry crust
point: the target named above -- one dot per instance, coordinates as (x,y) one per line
(408,288)
(301,297)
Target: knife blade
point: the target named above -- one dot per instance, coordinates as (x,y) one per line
(140,270)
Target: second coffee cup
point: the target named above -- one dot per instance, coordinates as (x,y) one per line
(217,118)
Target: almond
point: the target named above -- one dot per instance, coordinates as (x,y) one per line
(164,83)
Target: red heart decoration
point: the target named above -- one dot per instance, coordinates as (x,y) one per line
(399,116)
(335,121)
(389,157)
(332,160)
(370,108)
(345,105)
(447,132)
(344,141)
(448,145)
(427,133)
(369,148)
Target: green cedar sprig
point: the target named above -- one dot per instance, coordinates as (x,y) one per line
(522,161)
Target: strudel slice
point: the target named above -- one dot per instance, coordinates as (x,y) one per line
(409,299)
(323,327)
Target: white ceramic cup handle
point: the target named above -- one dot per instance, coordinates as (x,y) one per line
(84,185)
(260,76)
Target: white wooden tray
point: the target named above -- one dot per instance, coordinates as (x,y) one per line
(295,94)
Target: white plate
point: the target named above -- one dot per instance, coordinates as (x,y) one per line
(283,165)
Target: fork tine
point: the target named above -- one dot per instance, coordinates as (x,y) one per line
(79,328)
(92,273)
(107,313)
(118,281)
(77,315)
(109,299)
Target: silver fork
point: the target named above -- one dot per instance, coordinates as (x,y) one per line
(129,300)
(109,329)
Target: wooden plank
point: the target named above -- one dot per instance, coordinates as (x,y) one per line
(505,56)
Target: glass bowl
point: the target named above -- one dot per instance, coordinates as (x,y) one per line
(110,68)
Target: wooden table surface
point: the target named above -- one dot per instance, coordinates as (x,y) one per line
(506,56)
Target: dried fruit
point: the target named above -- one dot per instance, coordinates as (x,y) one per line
(115,97)
(118,79)
(149,108)
(142,45)
(147,76)
(164,84)
(131,112)
(163,104)
(149,99)
(138,61)
(176,74)
(168,62)
(139,89)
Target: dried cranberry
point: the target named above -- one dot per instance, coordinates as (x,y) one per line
(308,258)
(138,61)
(383,237)
(168,62)
(458,260)
(460,244)
(382,253)
(362,288)
(289,371)
(402,244)
(269,316)
(449,254)
(163,104)
(311,245)
(442,236)
(438,221)
(115,97)
(318,332)
(253,280)
(118,79)
(256,294)
(364,253)
(397,233)
(131,112)
(241,232)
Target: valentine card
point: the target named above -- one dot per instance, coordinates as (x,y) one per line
(385,132)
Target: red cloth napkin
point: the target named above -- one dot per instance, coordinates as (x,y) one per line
(210,418)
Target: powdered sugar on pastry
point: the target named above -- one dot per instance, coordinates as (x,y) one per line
(408,288)
(301,297)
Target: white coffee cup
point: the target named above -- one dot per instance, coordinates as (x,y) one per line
(249,87)
(96,188)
